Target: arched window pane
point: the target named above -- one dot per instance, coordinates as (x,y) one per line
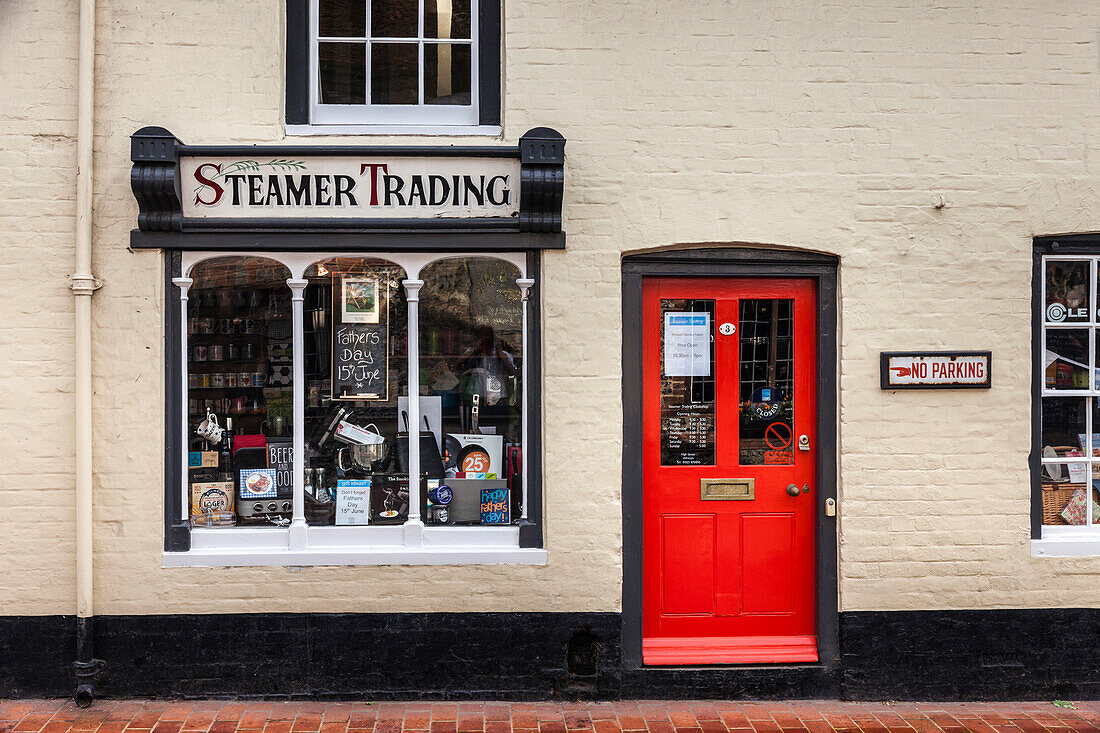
(356,367)
(471,369)
(239,406)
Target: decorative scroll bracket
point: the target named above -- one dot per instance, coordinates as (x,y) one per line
(542,180)
(154,179)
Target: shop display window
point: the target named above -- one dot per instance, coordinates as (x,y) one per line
(1070,399)
(296,377)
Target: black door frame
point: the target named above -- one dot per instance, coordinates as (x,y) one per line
(731,262)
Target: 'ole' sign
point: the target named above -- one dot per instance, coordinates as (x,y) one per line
(935,369)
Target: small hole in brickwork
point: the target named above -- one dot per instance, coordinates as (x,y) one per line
(582,653)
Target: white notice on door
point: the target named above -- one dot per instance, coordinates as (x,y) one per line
(687,345)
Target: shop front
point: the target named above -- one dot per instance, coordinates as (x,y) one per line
(310,293)
(782,383)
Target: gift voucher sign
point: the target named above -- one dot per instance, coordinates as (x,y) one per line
(350,187)
(936,370)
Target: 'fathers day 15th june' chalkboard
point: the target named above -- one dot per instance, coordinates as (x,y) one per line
(360,356)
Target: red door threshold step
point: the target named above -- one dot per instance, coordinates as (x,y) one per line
(729,650)
(648,716)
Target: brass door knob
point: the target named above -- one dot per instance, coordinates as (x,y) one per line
(793,490)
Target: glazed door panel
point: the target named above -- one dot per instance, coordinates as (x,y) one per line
(728,384)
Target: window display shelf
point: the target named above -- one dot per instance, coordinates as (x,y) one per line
(369,545)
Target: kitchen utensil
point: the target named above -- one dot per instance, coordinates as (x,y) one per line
(431,464)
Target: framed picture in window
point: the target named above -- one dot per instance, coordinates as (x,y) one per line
(359,300)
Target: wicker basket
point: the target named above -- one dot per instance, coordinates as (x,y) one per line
(1055,498)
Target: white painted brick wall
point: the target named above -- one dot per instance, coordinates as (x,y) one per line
(832,127)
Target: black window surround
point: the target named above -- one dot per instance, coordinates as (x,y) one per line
(1085,245)
(177,532)
(298,63)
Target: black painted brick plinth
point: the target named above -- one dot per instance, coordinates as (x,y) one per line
(1023,654)
(37,655)
(885,655)
(505,656)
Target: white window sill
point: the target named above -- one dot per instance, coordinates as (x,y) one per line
(1067,542)
(434,130)
(398,545)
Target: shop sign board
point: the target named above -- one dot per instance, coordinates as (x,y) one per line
(441,191)
(936,369)
(271,186)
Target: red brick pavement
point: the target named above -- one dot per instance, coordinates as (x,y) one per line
(644,716)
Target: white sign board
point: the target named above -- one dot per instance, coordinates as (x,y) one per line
(956,369)
(348,187)
(687,344)
(352,502)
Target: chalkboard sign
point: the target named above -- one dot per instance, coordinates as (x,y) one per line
(360,350)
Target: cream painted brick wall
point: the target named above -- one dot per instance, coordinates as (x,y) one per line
(832,127)
(37,220)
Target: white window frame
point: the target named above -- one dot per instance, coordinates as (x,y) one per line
(300,544)
(1084,540)
(427,116)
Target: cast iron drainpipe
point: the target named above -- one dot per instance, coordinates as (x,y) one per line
(83,284)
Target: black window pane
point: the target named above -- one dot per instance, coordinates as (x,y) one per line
(446,73)
(766,401)
(1063,426)
(393,73)
(1067,291)
(393,19)
(446,18)
(342,18)
(1067,359)
(343,76)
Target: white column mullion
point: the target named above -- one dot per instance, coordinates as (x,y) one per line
(298,531)
(1091,401)
(420,75)
(184,284)
(414,523)
(525,284)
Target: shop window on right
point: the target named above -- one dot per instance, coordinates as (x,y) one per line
(1070,397)
(471,390)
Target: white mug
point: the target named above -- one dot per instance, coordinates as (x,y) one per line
(209,429)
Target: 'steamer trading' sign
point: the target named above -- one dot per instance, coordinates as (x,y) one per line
(349,187)
(936,369)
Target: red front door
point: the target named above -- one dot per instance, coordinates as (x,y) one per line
(728,379)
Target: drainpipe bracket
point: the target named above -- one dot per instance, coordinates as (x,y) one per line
(86,673)
(89,669)
(84,284)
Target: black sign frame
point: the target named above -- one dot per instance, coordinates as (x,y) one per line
(884,371)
